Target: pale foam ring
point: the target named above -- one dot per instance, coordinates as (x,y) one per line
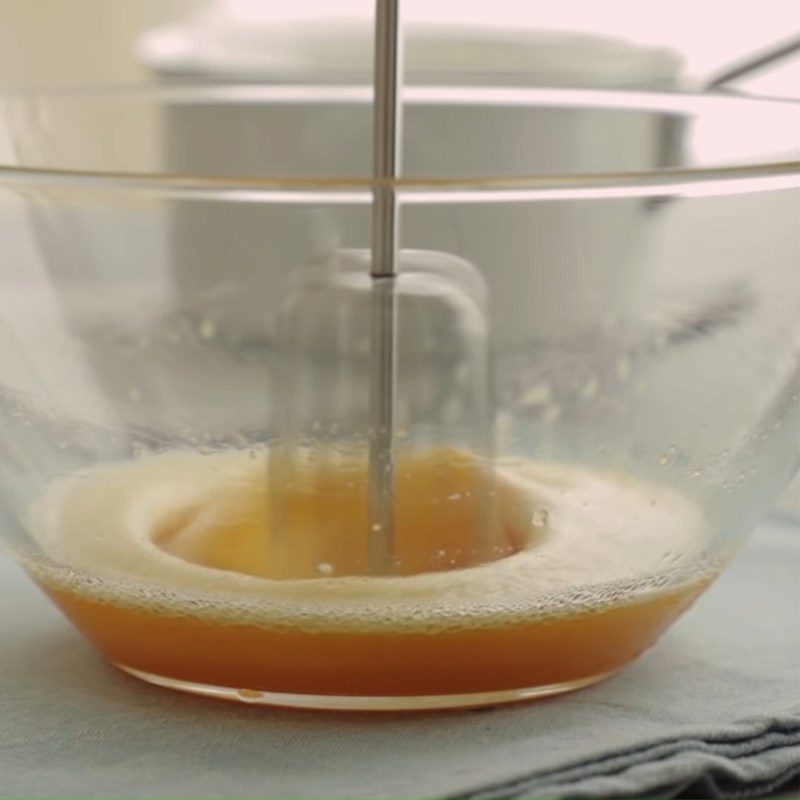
(610,540)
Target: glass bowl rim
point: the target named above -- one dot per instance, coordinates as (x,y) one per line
(677,181)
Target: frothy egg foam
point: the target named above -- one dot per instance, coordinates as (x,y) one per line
(598,539)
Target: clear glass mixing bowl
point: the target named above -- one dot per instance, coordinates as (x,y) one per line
(597,377)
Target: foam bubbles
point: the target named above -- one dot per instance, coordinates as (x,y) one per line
(603,542)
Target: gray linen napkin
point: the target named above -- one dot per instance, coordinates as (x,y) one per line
(713,710)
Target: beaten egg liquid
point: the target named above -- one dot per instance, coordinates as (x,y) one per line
(164,565)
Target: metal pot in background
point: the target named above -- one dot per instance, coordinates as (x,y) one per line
(304,111)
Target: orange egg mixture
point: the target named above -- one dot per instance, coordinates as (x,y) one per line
(169,566)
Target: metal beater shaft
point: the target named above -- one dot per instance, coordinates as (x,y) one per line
(387,142)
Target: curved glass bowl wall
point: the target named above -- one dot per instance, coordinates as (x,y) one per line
(639,255)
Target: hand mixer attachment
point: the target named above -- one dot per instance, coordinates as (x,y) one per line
(384,459)
(387,144)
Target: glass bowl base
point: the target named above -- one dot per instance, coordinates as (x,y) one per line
(366,702)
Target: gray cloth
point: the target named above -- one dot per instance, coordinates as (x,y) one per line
(714,710)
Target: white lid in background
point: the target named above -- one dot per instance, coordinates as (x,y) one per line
(218,44)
